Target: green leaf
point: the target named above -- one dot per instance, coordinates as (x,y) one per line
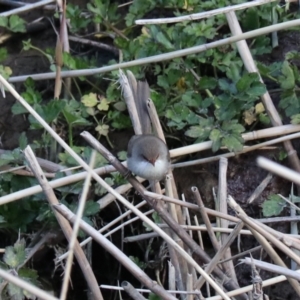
(122,155)
(15,256)
(215,137)
(74,119)
(192,99)
(199,132)
(288,80)
(295,119)
(120,106)
(102,129)
(257,89)
(250,20)
(89,100)
(156,218)
(233,71)
(244,83)
(194,131)
(232,143)
(5,71)
(162,39)
(91,208)
(282,155)
(3,53)
(154,297)
(162,81)
(18,108)
(224,85)
(264,119)
(119,120)
(15,292)
(207,83)
(9,257)
(28,274)
(16,24)
(137,261)
(3,21)
(290,102)
(103,105)
(273,206)
(53,109)
(23,141)
(233,127)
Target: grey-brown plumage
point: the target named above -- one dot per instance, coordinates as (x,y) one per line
(148,157)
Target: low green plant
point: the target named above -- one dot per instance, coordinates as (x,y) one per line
(78,22)
(273,206)
(13,262)
(13,23)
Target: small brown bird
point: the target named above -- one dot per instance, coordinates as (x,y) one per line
(148,157)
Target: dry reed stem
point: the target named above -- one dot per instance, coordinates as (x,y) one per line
(187,216)
(233,219)
(65,226)
(222,207)
(19,171)
(258,191)
(261,235)
(162,57)
(147,115)
(179,263)
(122,189)
(232,154)
(129,90)
(117,253)
(26,286)
(161,211)
(249,63)
(257,291)
(171,277)
(266,99)
(271,268)
(131,291)
(73,238)
(189,286)
(112,223)
(54,184)
(294,206)
(294,225)
(99,45)
(199,228)
(248,288)
(174,153)
(274,236)
(47,165)
(245,252)
(24,8)
(205,218)
(279,170)
(203,15)
(13,3)
(175,292)
(137,101)
(250,136)
(143,236)
(218,256)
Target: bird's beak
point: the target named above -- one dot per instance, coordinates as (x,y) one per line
(152,162)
